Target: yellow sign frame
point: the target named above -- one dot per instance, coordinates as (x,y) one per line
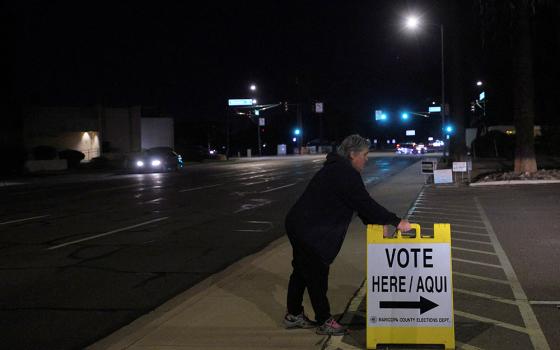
(417,335)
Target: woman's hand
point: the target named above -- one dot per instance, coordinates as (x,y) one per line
(404,226)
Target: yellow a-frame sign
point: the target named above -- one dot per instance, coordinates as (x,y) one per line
(409,288)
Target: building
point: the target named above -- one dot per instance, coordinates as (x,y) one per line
(95,131)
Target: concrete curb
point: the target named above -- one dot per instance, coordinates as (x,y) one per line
(514,182)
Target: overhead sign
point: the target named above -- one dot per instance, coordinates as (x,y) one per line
(409,288)
(434,109)
(240,102)
(318,107)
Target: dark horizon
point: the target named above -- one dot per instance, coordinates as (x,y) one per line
(188,59)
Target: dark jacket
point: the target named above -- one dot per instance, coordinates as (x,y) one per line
(321,216)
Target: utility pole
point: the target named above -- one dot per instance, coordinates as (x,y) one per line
(299,116)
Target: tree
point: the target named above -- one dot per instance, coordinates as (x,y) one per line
(523,87)
(511,21)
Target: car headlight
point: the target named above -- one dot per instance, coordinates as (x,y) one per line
(156,162)
(139,163)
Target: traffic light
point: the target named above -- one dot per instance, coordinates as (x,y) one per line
(297,132)
(404,116)
(449,129)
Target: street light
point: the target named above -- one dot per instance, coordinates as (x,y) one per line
(253,88)
(479,83)
(412,23)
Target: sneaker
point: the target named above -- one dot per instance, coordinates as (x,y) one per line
(299,321)
(331,327)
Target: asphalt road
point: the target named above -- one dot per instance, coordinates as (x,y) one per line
(80,260)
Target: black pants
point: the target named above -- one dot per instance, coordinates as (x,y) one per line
(311,273)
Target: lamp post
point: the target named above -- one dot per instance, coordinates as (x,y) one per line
(253,88)
(412,23)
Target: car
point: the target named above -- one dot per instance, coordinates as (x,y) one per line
(156,159)
(411,148)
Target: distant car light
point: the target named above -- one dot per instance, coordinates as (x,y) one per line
(139,163)
(156,162)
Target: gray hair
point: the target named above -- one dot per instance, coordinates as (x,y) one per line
(352,143)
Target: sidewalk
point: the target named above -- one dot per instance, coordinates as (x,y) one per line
(242,307)
(505,250)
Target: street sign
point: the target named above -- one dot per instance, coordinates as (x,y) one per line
(443,176)
(410,132)
(409,288)
(428,166)
(240,102)
(434,109)
(318,107)
(261,121)
(482,96)
(459,167)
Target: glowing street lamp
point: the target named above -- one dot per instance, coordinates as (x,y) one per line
(412,23)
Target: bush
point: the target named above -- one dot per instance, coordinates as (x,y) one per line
(13,158)
(44,153)
(548,143)
(495,144)
(73,157)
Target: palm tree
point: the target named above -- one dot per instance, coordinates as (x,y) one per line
(523,87)
(518,14)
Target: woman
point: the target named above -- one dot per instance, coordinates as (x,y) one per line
(317,224)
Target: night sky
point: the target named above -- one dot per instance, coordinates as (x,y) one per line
(189,58)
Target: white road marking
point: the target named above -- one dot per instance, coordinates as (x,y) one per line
(538,302)
(494,322)
(485,296)
(474,251)
(446,209)
(106,233)
(257,202)
(470,241)
(476,263)
(441,219)
(482,278)
(471,233)
(155,200)
(277,188)
(535,332)
(199,188)
(22,220)
(464,346)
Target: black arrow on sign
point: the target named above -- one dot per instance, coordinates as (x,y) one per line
(424,305)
